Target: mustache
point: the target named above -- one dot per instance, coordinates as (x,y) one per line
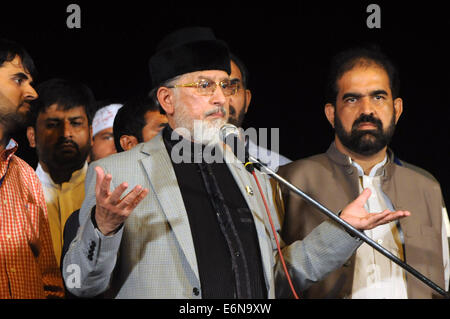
(63,141)
(218,109)
(367,118)
(25,103)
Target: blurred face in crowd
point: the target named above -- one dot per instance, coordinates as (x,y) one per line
(184,105)
(155,123)
(365,114)
(62,137)
(16,91)
(103,144)
(240,101)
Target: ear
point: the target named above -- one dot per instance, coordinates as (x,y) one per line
(127,142)
(166,99)
(248,98)
(330,110)
(31,136)
(398,107)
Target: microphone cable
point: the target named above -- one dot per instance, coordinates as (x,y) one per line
(231,130)
(250,168)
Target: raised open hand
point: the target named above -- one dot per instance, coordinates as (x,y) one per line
(356,215)
(111,211)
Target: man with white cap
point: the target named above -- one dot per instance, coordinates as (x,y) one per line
(102,130)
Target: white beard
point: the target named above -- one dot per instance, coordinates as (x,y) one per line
(207,132)
(199,131)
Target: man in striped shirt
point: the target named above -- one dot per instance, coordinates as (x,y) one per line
(28,267)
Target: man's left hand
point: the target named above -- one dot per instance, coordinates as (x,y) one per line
(356,215)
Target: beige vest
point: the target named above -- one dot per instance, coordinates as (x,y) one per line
(333,181)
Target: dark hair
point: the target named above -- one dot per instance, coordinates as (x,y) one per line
(241,66)
(348,59)
(130,119)
(67,94)
(10,49)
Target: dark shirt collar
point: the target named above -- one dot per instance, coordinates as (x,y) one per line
(170,136)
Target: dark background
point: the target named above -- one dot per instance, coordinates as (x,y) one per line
(286,46)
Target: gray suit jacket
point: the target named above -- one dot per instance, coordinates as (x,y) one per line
(153,255)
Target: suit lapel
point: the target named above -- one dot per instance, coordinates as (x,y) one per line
(243,180)
(159,169)
(165,187)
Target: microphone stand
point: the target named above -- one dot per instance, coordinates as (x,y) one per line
(349,228)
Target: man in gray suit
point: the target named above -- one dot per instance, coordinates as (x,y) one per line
(194,228)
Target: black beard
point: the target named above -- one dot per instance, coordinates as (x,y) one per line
(365,142)
(56,159)
(237,119)
(63,159)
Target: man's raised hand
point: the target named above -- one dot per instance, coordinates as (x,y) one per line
(356,215)
(111,211)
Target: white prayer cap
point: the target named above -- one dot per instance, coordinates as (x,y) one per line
(104,117)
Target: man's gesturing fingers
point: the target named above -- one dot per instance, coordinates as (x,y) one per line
(133,198)
(385,217)
(114,199)
(102,183)
(356,215)
(111,211)
(361,200)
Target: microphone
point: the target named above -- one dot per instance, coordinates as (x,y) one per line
(231,135)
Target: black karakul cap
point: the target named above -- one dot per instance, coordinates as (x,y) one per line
(188,50)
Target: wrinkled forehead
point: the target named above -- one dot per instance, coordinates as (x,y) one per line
(364,78)
(57,110)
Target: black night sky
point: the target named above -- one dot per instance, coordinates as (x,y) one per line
(286,46)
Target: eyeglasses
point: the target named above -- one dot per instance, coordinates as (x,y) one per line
(208,87)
